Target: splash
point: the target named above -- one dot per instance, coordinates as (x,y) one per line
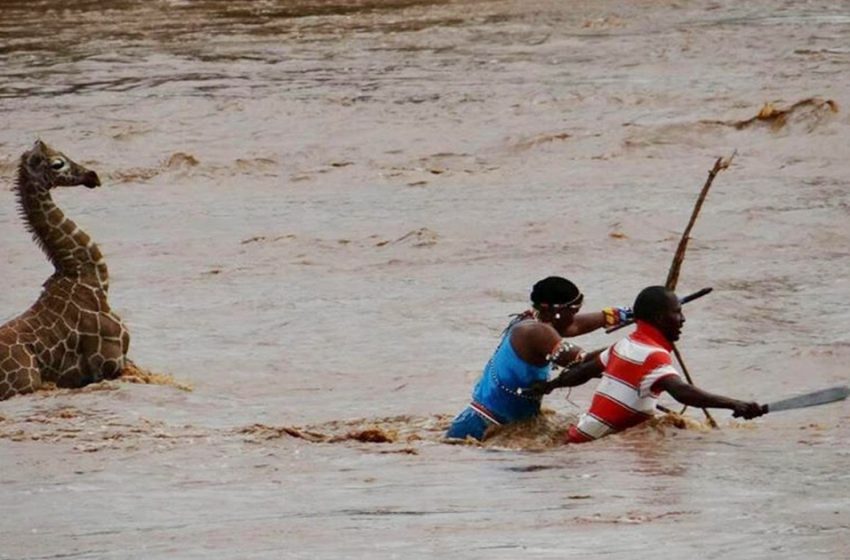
(130,374)
(394,430)
(676,420)
(90,430)
(546,431)
(48,387)
(134,374)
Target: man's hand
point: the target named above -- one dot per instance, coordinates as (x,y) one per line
(537,389)
(747,410)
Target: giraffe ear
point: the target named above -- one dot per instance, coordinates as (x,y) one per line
(36,156)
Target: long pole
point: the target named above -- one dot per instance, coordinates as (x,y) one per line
(679,258)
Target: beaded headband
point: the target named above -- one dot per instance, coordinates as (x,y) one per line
(575,302)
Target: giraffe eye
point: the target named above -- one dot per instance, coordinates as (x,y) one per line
(57,164)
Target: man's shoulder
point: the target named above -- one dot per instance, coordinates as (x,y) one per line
(533,338)
(530,327)
(639,350)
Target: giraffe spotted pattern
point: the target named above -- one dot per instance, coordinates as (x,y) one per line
(69,336)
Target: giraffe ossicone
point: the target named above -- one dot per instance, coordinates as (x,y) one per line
(69,336)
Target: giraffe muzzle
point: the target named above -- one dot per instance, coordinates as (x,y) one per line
(91,180)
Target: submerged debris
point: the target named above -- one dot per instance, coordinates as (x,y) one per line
(813,108)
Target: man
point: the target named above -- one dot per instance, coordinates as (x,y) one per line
(635,371)
(530,345)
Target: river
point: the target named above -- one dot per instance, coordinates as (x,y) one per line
(318,217)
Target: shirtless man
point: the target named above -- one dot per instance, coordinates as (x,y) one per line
(635,371)
(530,345)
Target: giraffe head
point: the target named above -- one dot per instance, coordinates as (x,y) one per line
(47,168)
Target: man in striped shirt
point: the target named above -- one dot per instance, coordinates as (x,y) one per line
(636,370)
(530,345)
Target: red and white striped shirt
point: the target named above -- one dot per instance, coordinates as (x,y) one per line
(626,396)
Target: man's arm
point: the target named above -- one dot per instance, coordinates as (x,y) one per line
(585,323)
(608,317)
(576,375)
(689,395)
(540,344)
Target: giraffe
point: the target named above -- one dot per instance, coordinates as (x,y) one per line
(69,336)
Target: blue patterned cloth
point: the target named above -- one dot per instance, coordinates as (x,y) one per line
(495,398)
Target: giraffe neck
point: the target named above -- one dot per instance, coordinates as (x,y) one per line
(71,251)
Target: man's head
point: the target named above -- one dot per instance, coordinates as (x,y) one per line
(660,307)
(556,300)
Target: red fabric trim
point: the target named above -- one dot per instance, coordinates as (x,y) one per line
(574,435)
(614,413)
(485,412)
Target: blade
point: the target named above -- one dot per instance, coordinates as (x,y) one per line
(695,295)
(811,399)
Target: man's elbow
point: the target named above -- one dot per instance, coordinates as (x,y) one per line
(682,394)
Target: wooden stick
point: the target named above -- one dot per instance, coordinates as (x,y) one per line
(711,421)
(679,258)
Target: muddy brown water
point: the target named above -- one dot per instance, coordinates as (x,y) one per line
(318,216)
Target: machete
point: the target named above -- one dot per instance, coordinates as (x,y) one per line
(824,396)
